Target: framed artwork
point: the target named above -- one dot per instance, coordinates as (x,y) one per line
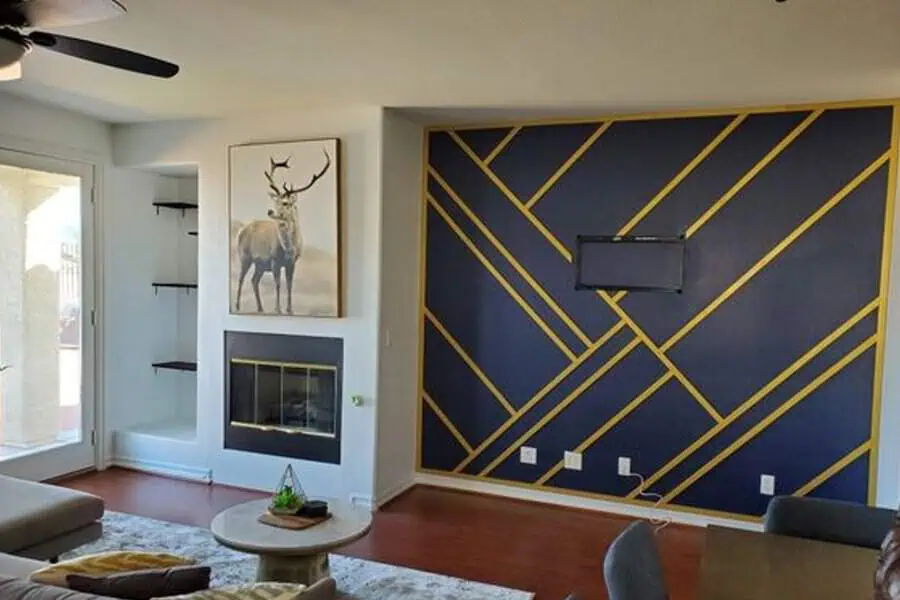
(284,239)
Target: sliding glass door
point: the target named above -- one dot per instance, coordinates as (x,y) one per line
(46,310)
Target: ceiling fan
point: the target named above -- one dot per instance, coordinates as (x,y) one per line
(16,16)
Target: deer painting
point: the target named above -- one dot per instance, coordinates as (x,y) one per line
(274,245)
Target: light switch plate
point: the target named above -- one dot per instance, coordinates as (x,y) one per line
(572,460)
(528,455)
(767,485)
(624,466)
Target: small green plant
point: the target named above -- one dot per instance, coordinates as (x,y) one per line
(287,499)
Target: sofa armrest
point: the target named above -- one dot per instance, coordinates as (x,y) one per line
(321,590)
(19,566)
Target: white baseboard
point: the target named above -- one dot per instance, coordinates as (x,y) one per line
(618,508)
(391,493)
(163,468)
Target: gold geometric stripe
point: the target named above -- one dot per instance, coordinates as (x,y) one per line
(501,279)
(778,249)
(562,375)
(509,257)
(468,360)
(682,175)
(511,197)
(884,281)
(762,164)
(774,416)
(757,396)
(551,414)
(615,420)
(447,422)
(503,143)
(567,165)
(665,360)
(834,469)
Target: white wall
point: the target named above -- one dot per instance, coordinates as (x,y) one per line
(205,143)
(398,358)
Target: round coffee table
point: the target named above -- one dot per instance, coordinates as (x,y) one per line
(287,555)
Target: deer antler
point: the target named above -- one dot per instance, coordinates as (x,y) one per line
(274,165)
(292,191)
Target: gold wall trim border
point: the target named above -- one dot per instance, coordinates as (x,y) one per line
(834,469)
(503,144)
(479,373)
(423,275)
(447,422)
(770,419)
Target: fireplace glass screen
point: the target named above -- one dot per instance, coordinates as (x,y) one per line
(286,397)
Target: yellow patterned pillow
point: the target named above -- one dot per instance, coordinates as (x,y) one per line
(251,591)
(107,563)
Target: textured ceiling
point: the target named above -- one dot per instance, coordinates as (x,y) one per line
(440,56)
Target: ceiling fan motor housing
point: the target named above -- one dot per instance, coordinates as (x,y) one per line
(11,51)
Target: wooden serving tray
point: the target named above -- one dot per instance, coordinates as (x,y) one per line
(294,522)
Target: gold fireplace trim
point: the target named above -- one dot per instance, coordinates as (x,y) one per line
(283,429)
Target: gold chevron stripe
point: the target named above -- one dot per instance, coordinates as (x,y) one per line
(468,360)
(834,469)
(561,376)
(551,414)
(509,257)
(682,175)
(759,395)
(762,164)
(567,165)
(548,235)
(778,249)
(447,422)
(501,279)
(883,286)
(615,420)
(503,143)
(771,418)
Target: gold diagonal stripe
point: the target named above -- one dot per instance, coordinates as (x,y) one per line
(503,144)
(774,416)
(447,422)
(682,175)
(567,165)
(501,279)
(615,420)
(834,469)
(757,396)
(551,414)
(510,258)
(548,235)
(762,164)
(550,386)
(883,286)
(660,355)
(468,360)
(778,249)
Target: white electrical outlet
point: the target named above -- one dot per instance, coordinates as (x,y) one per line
(767,485)
(572,460)
(624,466)
(528,455)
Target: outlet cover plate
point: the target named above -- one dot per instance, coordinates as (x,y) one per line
(528,455)
(572,460)
(624,466)
(767,485)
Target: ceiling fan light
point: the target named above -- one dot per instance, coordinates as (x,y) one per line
(10,52)
(11,72)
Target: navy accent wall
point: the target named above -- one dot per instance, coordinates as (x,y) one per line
(765,364)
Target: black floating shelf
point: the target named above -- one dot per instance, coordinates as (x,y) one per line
(176,365)
(182,206)
(181,286)
(193,233)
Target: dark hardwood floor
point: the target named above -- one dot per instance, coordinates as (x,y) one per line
(550,550)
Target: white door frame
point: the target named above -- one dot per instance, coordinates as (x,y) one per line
(70,458)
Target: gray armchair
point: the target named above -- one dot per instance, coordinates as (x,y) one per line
(632,568)
(829,521)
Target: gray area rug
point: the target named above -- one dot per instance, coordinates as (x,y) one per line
(357,579)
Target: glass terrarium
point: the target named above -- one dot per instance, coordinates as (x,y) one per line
(289,496)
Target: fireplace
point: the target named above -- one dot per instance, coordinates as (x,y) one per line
(283,395)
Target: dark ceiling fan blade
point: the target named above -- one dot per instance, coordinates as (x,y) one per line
(104,55)
(61,13)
